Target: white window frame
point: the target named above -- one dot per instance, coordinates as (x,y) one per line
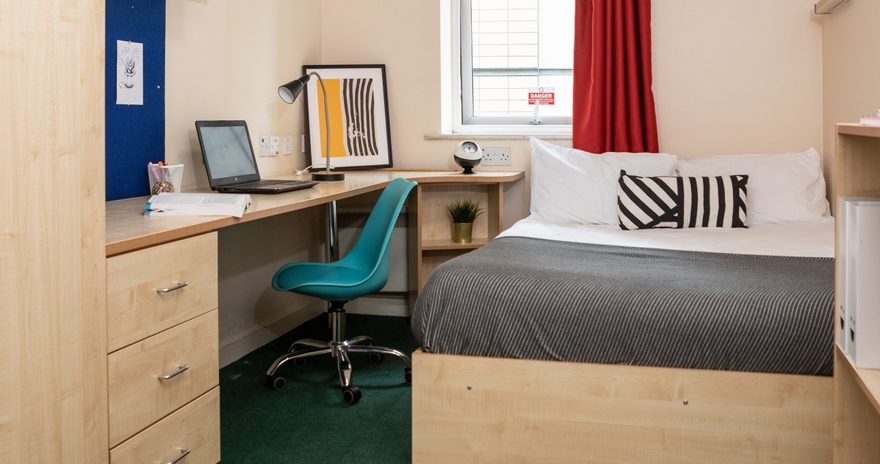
(455,22)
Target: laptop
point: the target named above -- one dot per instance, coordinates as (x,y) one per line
(230,161)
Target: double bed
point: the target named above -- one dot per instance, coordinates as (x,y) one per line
(586,343)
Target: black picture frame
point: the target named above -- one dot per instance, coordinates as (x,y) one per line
(365,139)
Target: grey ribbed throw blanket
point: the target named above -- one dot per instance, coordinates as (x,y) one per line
(541,299)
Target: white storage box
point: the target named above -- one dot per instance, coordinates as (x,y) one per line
(861,280)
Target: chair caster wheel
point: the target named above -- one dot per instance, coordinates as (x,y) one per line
(299,362)
(351,395)
(375,358)
(407,374)
(276,382)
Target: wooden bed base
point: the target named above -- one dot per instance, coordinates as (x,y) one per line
(474,409)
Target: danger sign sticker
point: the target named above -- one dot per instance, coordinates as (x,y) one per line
(542,95)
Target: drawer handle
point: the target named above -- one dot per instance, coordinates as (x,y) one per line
(180,370)
(179,285)
(183,453)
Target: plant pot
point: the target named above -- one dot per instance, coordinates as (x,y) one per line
(462,232)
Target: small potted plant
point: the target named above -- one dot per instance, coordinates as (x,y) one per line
(463,212)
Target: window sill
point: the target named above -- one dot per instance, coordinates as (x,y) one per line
(500,136)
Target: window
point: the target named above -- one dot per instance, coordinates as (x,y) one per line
(509,47)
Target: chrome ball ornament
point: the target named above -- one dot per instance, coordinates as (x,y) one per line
(468,155)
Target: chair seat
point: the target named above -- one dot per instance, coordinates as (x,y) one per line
(335,281)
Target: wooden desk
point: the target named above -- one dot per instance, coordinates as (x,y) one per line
(128,229)
(162,294)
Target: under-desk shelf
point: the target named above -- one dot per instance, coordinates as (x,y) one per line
(430,228)
(868,379)
(441,245)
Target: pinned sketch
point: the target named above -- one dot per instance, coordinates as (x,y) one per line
(129,73)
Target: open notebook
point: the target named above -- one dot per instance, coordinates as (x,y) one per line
(197,204)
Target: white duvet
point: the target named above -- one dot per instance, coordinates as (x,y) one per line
(784,239)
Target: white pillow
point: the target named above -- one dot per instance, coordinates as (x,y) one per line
(785,187)
(574,186)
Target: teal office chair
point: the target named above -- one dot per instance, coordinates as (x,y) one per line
(364,270)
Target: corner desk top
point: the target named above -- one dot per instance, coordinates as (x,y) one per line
(128,229)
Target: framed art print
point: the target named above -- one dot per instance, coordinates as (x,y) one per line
(357,104)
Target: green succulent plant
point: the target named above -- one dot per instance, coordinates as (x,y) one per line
(464,210)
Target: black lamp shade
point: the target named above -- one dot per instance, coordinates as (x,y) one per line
(289,91)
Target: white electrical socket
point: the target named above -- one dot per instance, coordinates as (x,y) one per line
(288,145)
(276,145)
(496,156)
(266,145)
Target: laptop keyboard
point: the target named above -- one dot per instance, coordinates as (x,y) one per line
(269,182)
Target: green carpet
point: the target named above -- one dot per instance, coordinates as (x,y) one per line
(307,422)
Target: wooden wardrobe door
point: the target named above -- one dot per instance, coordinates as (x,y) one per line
(53,372)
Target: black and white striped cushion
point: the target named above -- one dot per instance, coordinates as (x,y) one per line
(681,202)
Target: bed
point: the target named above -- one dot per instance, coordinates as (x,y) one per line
(562,342)
(499,381)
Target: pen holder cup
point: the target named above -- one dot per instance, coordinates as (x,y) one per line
(165,178)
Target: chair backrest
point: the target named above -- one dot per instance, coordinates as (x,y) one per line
(371,249)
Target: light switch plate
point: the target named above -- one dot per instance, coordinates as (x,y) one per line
(288,145)
(265,145)
(276,145)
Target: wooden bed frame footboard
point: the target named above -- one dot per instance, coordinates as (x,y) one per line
(474,409)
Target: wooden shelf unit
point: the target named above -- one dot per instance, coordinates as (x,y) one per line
(856,391)
(430,229)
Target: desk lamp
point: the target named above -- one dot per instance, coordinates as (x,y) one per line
(288,93)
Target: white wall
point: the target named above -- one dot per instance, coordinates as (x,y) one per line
(737,76)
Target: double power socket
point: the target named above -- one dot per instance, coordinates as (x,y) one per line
(496,156)
(273,145)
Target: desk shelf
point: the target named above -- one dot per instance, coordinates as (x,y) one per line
(858,130)
(443,245)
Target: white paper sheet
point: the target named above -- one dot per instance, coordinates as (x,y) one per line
(129,73)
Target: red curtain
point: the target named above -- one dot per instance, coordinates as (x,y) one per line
(613,102)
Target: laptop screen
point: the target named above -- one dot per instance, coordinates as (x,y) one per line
(227,151)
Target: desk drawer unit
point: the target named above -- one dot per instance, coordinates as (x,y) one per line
(154,289)
(189,435)
(156,376)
